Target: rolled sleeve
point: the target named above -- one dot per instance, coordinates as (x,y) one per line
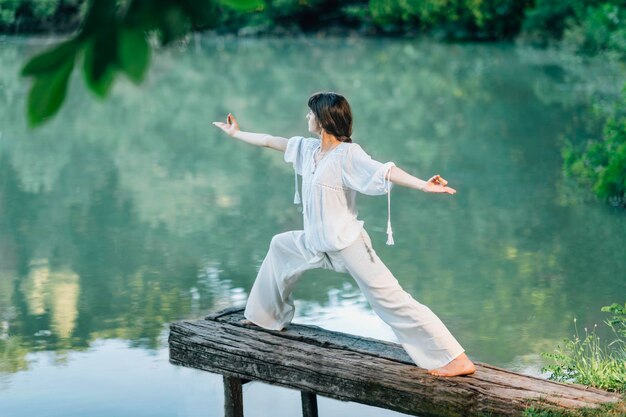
(362,173)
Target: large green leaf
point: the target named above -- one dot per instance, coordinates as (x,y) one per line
(243,5)
(99,65)
(47,93)
(51,59)
(133,54)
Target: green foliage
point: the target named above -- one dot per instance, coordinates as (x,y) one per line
(51,70)
(605,410)
(44,9)
(33,15)
(589,361)
(618,321)
(589,25)
(602,164)
(550,17)
(134,54)
(8,9)
(457,19)
(112,38)
(48,92)
(603,28)
(288,14)
(238,5)
(52,59)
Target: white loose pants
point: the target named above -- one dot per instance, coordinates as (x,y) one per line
(270,304)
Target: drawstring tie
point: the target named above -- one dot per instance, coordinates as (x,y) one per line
(296,197)
(389,230)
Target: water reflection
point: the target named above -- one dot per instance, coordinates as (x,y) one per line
(119,217)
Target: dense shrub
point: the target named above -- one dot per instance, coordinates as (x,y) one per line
(295,14)
(38,15)
(589,25)
(550,18)
(603,28)
(456,19)
(602,163)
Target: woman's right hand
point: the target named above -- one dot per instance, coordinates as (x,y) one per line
(230,127)
(436,184)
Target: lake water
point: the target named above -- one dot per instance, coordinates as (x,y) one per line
(120,216)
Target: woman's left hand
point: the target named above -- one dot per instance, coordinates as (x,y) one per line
(436,184)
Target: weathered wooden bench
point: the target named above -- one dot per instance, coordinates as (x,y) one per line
(352,368)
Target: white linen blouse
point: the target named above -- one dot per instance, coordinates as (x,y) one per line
(329,190)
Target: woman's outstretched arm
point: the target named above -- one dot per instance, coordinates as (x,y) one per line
(435,184)
(231,127)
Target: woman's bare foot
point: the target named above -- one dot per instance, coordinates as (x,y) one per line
(461,365)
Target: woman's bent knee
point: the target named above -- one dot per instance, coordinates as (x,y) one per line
(281,239)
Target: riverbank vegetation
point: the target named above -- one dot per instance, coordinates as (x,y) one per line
(607,410)
(588,25)
(601,163)
(589,360)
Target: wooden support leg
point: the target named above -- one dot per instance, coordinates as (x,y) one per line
(309,404)
(233,397)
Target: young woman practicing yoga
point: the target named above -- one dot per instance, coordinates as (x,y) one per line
(333,169)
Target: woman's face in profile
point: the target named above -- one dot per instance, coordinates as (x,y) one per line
(314,127)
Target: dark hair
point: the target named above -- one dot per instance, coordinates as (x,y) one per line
(333,113)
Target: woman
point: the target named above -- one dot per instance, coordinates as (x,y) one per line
(333,169)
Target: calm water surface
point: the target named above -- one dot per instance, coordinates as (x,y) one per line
(119,217)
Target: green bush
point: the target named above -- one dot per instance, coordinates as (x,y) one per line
(589,25)
(8,10)
(602,164)
(603,28)
(39,15)
(457,19)
(550,18)
(589,361)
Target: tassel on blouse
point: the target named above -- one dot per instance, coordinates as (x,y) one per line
(389,230)
(296,197)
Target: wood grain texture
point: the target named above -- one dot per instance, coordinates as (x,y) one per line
(363,370)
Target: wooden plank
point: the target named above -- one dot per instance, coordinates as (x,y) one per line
(233,397)
(309,404)
(368,371)
(316,335)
